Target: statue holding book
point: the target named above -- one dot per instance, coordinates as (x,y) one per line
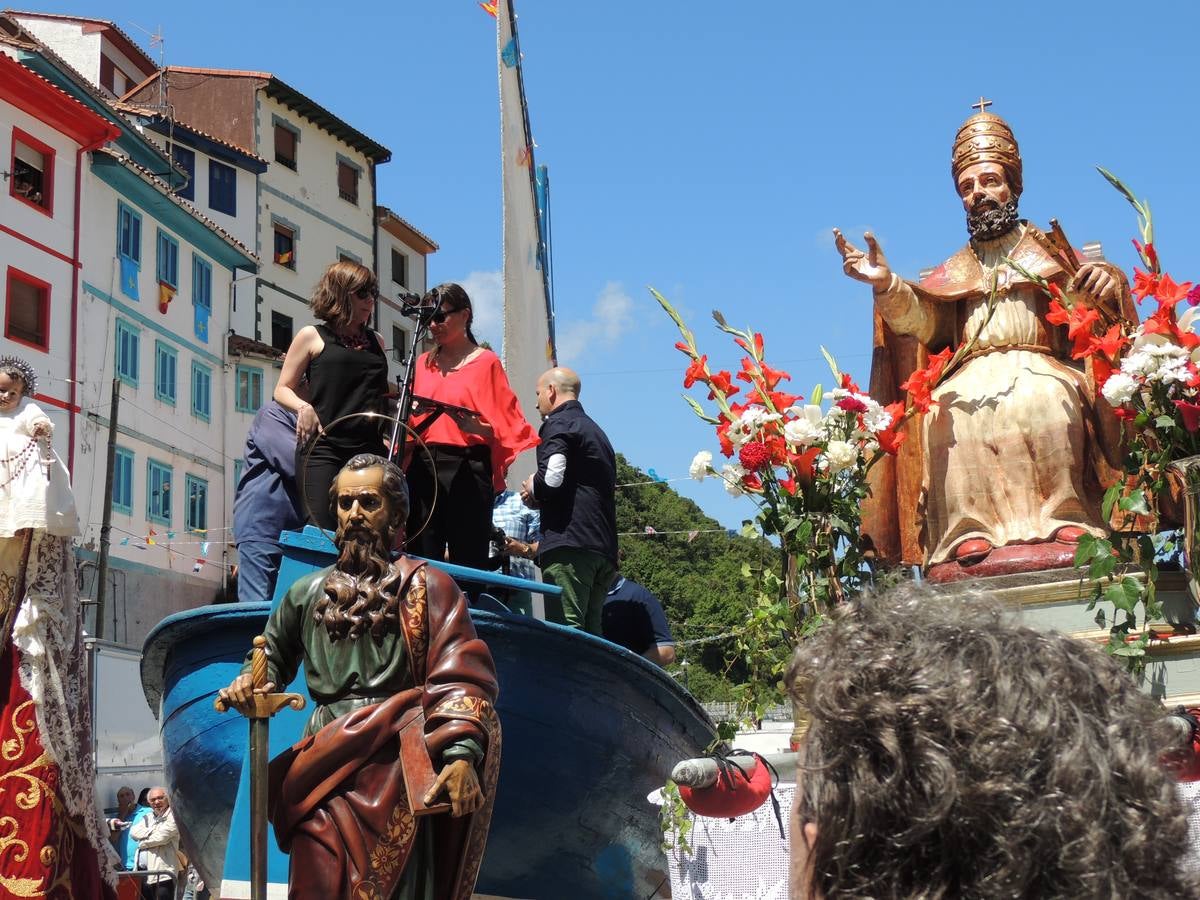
(1006,469)
(404,693)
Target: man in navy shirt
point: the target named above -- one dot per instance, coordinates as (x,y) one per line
(634,618)
(575,489)
(267,501)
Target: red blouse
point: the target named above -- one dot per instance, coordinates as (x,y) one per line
(481,385)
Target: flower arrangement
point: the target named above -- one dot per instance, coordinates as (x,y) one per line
(805,465)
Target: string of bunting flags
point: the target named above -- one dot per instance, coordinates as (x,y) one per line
(167,542)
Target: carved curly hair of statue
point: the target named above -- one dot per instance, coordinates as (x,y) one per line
(952,753)
(15,367)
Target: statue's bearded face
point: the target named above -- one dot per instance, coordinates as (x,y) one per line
(361,593)
(988,199)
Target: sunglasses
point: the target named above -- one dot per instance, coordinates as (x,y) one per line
(442,314)
(366,293)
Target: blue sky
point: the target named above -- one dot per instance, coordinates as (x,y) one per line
(708,149)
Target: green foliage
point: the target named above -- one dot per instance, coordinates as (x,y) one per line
(705,584)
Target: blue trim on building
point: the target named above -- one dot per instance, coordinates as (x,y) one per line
(147,322)
(102,422)
(142,194)
(316,213)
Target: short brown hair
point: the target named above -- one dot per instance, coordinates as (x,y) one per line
(331,300)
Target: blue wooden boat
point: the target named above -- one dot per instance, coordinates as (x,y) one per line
(589,730)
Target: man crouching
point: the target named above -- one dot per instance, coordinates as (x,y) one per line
(378,638)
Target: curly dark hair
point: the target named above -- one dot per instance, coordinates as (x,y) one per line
(952,753)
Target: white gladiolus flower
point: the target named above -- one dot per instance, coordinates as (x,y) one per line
(841,454)
(733,474)
(1120,388)
(701,465)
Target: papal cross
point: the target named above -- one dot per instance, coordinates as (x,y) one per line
(982,104)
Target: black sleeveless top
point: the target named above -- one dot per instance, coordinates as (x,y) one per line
(343,381)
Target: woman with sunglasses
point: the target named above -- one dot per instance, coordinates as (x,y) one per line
(470,453)
(346,370)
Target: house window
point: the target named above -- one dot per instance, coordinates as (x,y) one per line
(399,343)
(347,179)
(285,246)
(399,267)
(196,517)
(128,347)
(285,146)
(186,160)
(27,310)
(122,498)
(168,260)
(201,295)
(248,395)
(165,359)
(129,234)
(32,179)
(201,391)
(281,331)
(158,492)
(107,74)
(222,187)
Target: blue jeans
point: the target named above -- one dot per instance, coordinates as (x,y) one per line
(258,567)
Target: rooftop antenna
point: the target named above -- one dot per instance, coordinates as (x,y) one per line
(156,40)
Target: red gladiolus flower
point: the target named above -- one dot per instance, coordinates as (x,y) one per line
(1152,255)
(849,385)
(723,382)
(772,377)
(1102,369)
(1110,343)
(802,465)
(723,436)
(758,344)
(1159,323)
(749,370)
(789,485)
(851,404)
(1190,413)
(754,455)
(1082,320)
(921,383)
(782,401)
(697,371)
(683,348)
(1057,314)
(1144,284)
(752,482)
(1169,293)
(892,437)
(1055,291)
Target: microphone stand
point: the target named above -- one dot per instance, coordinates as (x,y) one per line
(423,313)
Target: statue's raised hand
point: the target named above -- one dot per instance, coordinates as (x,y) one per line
(870,266)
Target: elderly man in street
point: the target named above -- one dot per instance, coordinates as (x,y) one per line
(157,838)
(574,487)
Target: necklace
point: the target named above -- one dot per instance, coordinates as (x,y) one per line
(359,341)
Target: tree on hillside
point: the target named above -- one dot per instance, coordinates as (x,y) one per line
(701,582)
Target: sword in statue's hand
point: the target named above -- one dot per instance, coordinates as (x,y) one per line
(257,703)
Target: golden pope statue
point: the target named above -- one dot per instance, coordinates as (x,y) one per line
(1006,470)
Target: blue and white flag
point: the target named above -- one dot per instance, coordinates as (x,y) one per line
(130,272)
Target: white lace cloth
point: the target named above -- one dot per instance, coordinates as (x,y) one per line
(48,631)
(1189,793)
(742,859)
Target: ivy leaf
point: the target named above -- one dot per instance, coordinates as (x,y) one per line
(1086,548)
(1110,497)
(1135,503)
(1102,567)
(1101,619)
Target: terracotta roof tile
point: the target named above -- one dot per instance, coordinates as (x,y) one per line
(387,213)
(151,113)
(240,346)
